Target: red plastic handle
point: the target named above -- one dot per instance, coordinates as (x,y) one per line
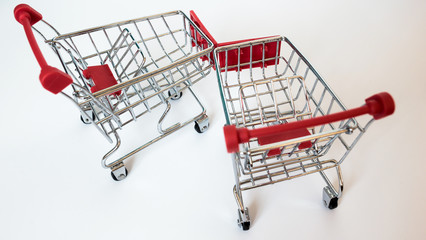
(52,79)
(379,106)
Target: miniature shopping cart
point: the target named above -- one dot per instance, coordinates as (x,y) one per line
(119,72)
(283,120)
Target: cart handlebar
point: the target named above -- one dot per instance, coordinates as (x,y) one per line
(379,106)
(51,78)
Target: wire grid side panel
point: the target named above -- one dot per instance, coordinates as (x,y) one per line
(324,101)
(125,58)
(133,48)
(280,168)
(255,86)
(262,168)
(162,39)
(284,162)
(272,101)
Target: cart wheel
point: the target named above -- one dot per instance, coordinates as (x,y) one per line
(197,128)
(202,124)
(245,225)
(200,129)
(243,219)
(333,203)
(330,198)
(86,120)
(119,174)
(174,95)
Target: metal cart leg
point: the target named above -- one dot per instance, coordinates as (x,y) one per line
(118,170)
(202,123)
(243,220)
(160,122)
(330,194)
(243,213)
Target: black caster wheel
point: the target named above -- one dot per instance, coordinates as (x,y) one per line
(333,203)
(120,176)
(174,96)
(197,128)
(87,120)
(330,198)
(202,124)
(200,129)
(243,219)
(245,226)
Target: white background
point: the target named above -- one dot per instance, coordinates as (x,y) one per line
(53,187)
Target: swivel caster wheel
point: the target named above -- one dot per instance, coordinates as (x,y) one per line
(174,95)
(202,124)
(243,219)
(119,173)
(87,120)
(245,225)
(330,198)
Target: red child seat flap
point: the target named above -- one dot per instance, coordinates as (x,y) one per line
(256,53)
(102,78)
(259,55)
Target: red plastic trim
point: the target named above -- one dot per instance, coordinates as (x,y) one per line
(270,48)
(201,26)
(52,79)
(379,106)
(231,138)
(200,41)
(24,11)
(102,78)
(244,54)
(282,136)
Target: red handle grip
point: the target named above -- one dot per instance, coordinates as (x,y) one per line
(379,106)
(52,79)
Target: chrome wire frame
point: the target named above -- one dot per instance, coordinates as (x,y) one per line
(289,90)
(150,58)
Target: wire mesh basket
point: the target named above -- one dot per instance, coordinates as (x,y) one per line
(283,119)
(119,72)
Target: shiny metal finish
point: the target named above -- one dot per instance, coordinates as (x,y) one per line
(149,57)
(119,172)
(202,124)
(243,219)
(256,93)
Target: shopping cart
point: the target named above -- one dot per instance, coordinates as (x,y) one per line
(282,119)
(119,72)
